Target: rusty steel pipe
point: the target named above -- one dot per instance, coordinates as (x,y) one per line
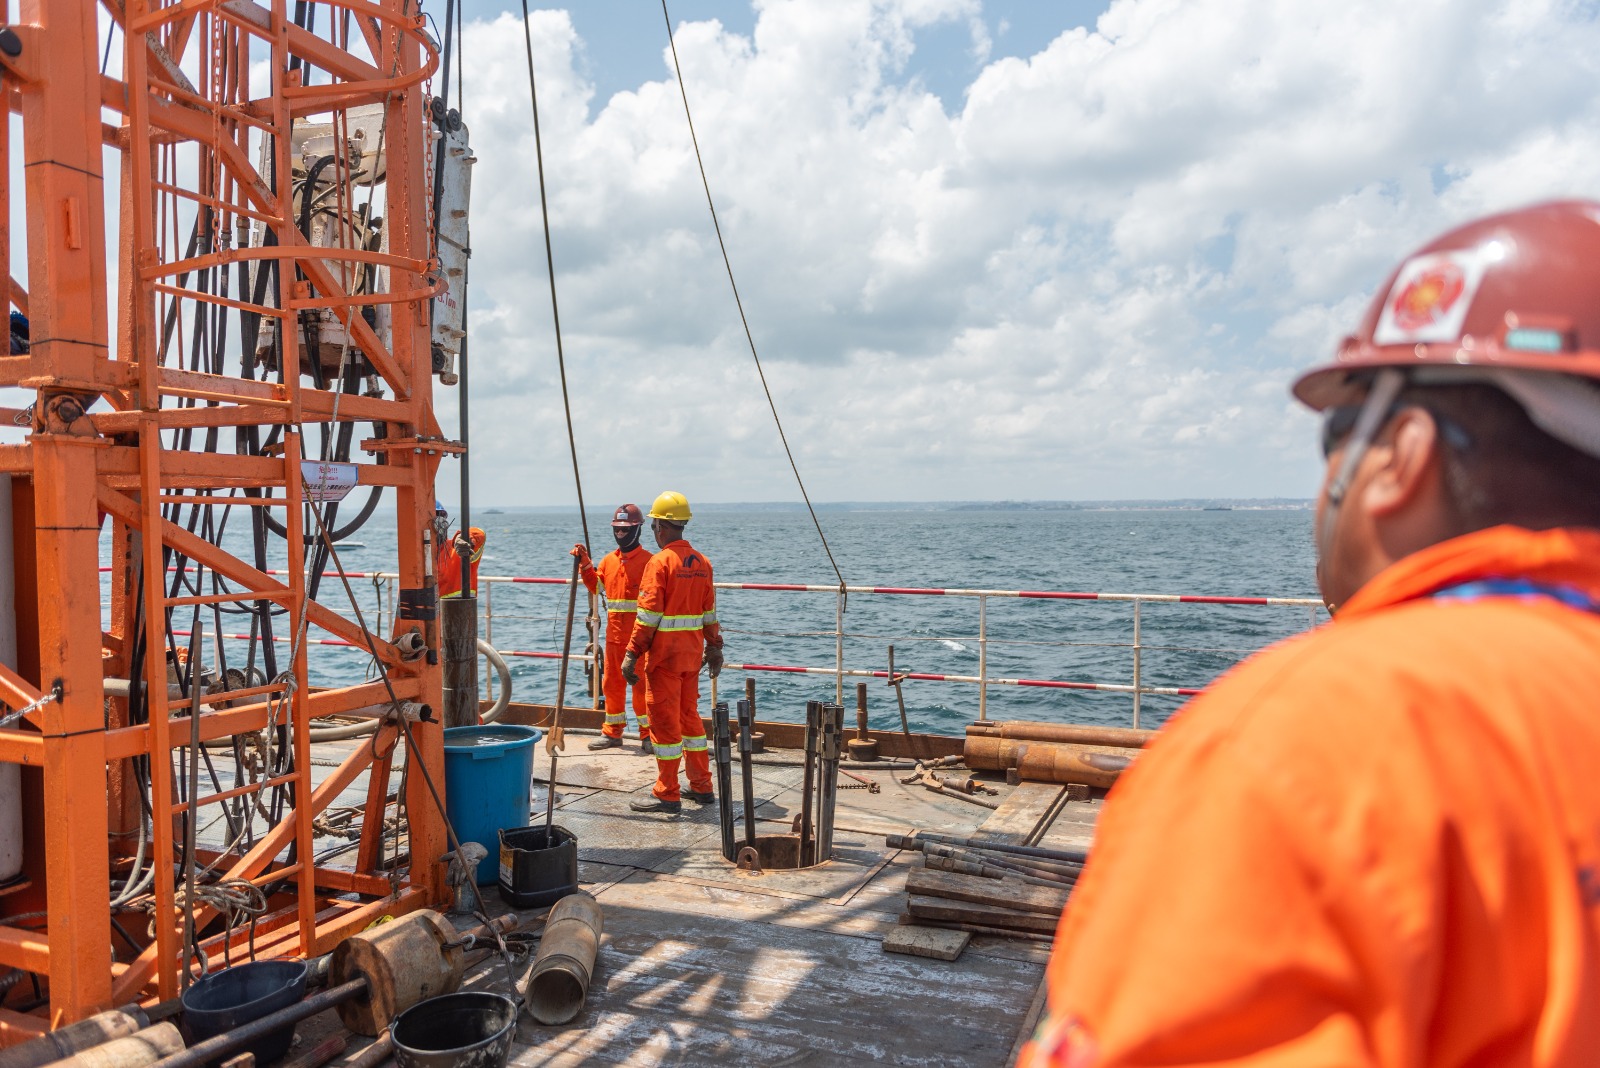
(1058,762)
(74,1038)
(157,1044)
(1068,856)
(558,984)
(1023,730)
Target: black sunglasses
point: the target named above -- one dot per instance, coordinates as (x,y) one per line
(1338,422)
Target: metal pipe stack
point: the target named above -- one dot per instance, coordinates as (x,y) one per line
(724,749)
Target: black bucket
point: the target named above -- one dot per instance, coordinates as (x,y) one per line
(234,996)
(472,1029)
(536,871)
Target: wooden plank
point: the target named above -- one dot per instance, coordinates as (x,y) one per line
(1001,893)
(938,908)
(1020,815)
(1030,1022)
(934,942)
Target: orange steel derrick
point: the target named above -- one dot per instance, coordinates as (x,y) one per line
(124,436)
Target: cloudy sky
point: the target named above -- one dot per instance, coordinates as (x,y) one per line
(989,249)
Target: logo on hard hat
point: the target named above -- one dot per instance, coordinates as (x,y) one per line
(1430,298)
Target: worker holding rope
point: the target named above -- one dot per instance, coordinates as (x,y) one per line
(1379,844)
(449,552)
(675,633)
(620,571)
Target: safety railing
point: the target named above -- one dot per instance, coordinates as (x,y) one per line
(385,590)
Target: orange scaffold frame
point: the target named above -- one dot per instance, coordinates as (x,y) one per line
(98,451)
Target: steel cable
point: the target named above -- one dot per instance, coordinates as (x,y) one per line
(738,302)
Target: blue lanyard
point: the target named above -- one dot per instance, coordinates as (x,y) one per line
(1570,596)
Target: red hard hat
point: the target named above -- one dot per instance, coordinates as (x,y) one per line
(628,516)
(1512,300)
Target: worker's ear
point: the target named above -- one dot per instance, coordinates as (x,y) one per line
(1406,464)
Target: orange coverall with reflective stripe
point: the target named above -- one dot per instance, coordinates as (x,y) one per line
(677,618)
(620,573)
(447,564)
(1374,844)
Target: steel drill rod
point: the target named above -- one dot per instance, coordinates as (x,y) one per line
(979,929)
(1070,856)
(861,713)
(899,695)
(990,871)
(813,724)
(719,727)
(381,1050)
(832,733)
(746,719)
(202,1053)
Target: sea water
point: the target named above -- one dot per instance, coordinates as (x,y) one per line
(1150,550)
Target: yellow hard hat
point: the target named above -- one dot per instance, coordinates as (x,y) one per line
(672,507)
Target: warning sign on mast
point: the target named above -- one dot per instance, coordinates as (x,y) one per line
(327,483)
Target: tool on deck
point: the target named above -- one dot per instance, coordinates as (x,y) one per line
(746,720)
(813,730)
(899,695)
(724,751)
(832,727)
(862,747)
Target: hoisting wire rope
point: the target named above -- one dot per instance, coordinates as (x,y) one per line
(553,744)
(739,303)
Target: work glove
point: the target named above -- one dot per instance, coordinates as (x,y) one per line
(630,668)
(713,661)
(581,551)
(463,545)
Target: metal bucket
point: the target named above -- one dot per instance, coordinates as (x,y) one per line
(472,1029)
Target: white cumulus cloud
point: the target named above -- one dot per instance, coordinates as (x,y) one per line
(1093,280)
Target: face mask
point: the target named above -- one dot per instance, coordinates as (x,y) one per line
(627,537)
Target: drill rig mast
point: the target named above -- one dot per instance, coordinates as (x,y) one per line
(271,227)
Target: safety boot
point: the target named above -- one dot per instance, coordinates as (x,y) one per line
(655,804)
(647,747)
(699,798)
(605,741)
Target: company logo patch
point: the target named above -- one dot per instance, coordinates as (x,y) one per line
(1430,298)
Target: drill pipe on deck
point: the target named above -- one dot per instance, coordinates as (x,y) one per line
(1054,762)
(94,1031)
(1023,730)
(156,1044)
(746,718)
(558,984)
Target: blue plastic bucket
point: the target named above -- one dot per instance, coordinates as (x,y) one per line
(488,777)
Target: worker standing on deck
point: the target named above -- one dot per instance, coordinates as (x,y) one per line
(448,552)
(621,570)
(674,633)
(1379,843)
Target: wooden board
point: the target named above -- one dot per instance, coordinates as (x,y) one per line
(1000,893)
(934,942)
(938,908)
(1017,820)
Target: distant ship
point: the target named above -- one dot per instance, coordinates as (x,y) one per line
(493,511)
(1217,508)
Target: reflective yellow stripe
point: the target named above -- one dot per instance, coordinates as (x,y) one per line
(620,606)
(711,616)
(694,622)
(694,742)
(644,722)
(648,618)
(612,720)
(669,752)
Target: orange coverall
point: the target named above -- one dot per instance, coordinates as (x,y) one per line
(447,564)
(677,618)
(1375,844)
(621,575)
